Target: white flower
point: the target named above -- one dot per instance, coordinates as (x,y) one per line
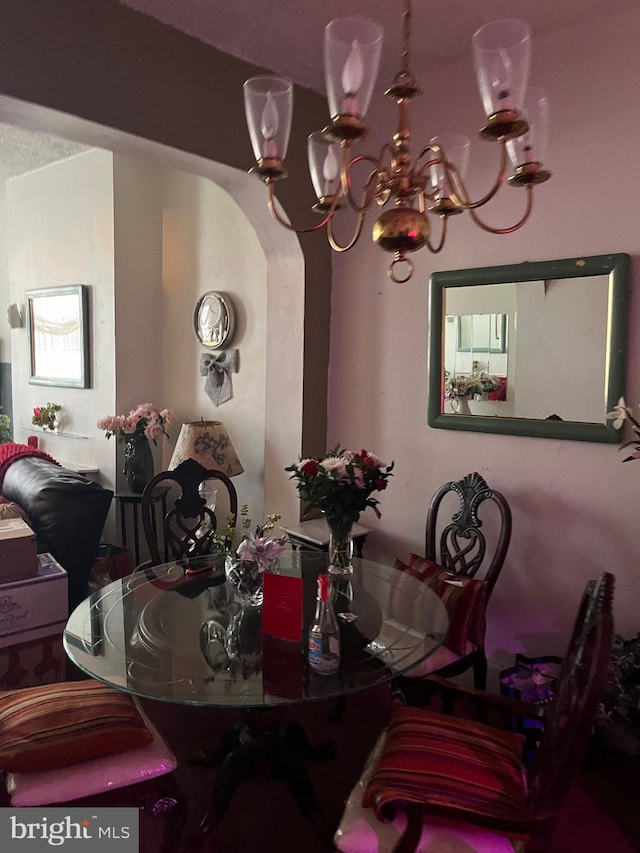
(337,464)
(619,414)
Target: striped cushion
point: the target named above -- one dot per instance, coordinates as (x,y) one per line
(56,725)
(361,832)
(93,776)
(465,600)
(459,767)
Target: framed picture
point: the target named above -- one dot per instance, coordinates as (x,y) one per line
(214,319)
(58,328)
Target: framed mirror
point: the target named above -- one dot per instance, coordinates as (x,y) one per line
(57,325)
(214,319)
(534,349)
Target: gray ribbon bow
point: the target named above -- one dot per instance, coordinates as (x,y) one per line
(218,367)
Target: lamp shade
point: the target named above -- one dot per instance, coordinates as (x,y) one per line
(209,444)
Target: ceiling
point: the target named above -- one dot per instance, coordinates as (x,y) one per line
(22,150)
(285,36)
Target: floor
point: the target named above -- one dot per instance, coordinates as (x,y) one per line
(600,816)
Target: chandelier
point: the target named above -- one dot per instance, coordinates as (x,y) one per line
(419,190)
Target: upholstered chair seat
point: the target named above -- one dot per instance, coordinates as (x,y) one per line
(436,780)
(82,742)
(360,831)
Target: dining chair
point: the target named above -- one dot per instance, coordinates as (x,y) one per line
(433,768)
(82,743)
(190,525)
(462,565)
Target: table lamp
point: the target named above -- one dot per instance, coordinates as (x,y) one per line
(209,444)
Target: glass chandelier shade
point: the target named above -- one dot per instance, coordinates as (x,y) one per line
(531,146)
(268,103)
(457,148)
(352,50)
(421,188)
(325,158)
(502,59)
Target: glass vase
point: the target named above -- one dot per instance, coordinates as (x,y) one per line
(340,546)
(138,462)
(247,578)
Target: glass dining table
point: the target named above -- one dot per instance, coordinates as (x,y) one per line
(181,632)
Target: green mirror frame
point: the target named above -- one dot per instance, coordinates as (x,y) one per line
(618,269)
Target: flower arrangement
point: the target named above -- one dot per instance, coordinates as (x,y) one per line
(46,416)
(341,484)
(255,547)
(468,385)
(146,419)
(261,549)
(619,415)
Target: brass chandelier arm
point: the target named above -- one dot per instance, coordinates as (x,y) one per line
(373,185)
(370,189)
(287,225)
(443,237)
(332,241)
(460,196)
(438,156)
(513,228)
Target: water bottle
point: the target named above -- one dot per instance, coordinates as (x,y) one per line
(324,635)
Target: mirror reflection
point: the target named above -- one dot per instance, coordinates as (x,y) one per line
(532,349)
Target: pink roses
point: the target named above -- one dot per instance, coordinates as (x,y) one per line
(146,419)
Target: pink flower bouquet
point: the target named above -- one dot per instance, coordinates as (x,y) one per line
(145,420)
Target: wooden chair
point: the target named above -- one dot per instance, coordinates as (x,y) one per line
(459,546)
(434,768)
(49,761)
(189,526)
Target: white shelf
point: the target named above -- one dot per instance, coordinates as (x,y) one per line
(34,430)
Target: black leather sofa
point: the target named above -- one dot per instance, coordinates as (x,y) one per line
(66,511)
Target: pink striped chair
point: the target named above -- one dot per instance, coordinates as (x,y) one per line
(432,769)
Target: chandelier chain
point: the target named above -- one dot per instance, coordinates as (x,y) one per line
(406,39)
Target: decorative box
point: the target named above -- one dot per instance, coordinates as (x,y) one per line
(18,550)
(31,608)
(40,661)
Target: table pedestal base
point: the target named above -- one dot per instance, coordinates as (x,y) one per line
(264,740)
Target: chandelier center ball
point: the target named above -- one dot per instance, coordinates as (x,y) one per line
(402,229)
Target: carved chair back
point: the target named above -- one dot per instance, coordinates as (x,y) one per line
(190,525)
(461,545)
(580,688)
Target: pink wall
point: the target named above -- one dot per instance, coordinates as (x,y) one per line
(576,508)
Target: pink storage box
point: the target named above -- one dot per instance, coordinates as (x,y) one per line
(35,607)
(18,550)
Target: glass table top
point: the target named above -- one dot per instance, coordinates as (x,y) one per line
(191,639)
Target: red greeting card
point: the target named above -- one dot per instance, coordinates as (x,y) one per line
(282,607)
